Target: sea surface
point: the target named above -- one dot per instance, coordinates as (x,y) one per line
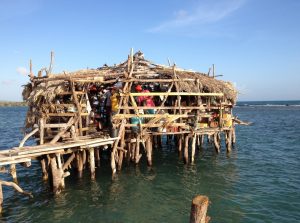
(259,181)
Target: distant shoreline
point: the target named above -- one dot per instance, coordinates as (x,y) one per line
(12,104)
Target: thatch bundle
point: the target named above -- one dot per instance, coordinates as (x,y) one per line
(43,90)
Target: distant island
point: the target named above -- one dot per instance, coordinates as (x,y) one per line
(12,103)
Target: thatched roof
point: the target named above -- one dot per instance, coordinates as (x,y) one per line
(52,85)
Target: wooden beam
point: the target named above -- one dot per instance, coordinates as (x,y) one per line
(172,94)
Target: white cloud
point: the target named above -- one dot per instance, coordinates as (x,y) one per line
(206,12)
(22,70)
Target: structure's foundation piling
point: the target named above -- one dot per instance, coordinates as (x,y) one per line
(92,162)
(186,149)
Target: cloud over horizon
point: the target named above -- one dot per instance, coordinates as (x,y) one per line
(22,70)
(205,12)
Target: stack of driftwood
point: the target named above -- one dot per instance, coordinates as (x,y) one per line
(73,123)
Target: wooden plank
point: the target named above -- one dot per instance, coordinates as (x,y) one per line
(172,94)
(66,114)
(122,116)
(56,125)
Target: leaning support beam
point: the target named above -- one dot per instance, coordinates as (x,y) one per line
(15,186)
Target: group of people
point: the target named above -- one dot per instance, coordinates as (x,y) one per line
(104,103)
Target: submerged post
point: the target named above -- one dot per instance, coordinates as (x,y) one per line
(1,198)
(199,209)
(92,163)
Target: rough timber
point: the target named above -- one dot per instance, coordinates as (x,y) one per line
(189,106)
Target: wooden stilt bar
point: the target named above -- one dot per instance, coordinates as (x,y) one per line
(180,146)
(137,149)
(13,172)
(97,157)
(57,175)
(233,136)
(193,148)
(217,143)
(1,198)
(43,161)
(228,140)
(186,149)
(121,151)
(92,162)
(199,209)
(149,151)
(79,163)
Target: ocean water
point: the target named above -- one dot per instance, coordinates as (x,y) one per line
(259,181)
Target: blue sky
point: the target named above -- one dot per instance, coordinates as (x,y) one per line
(253,43)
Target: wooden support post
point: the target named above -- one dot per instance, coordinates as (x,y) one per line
(57,175)
(43,161)
(233,136)
(60,170)
(217,142)
(149,151)
(44,166)
(121,151)
(199,210)
(92,163)
(42,130)
(137,149)
(79,163)
(13,172)
(228,140)
(180,146)
(186,149)
(113,162)
(193,148)
(97,156)
(83,158)
(1,198)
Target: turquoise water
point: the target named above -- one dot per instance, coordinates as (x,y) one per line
(258,182)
